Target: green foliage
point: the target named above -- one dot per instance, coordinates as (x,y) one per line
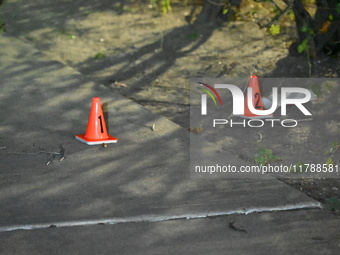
(316,89)
(303,46)
(121,8)
(298,168)
(165,5)
(276,10)
(225,10)
(2,26)
(331,151)
(193,35)
(274,29)
(304,29)
(334,203)
(328,86)
(99,55)
(68,34)
(334,147)
(335,144)
(329,161)
(265,156)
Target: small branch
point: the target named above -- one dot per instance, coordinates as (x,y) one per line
(277,17)
(214,3)
(261,137)
(62,152)
(334,149)
(232,226)
(50,160)
(52,154)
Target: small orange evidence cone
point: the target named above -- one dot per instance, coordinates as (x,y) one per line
(256,100)
(96,132)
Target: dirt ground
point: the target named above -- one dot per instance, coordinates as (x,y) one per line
(148,57)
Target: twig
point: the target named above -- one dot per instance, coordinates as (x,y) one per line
(231,225)
(276,18)
(51,153)
(254,70)
(50,160)
(334,149)
(261,137)
(62,152)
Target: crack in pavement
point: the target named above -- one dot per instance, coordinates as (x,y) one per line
(155,218)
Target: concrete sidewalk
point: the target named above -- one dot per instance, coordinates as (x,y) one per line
(144,178)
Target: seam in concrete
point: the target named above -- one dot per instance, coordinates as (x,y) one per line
(155,218)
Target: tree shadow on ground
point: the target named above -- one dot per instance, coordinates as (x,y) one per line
(141,66)
(158,56)
(321,67)
(163,54)
(38,15)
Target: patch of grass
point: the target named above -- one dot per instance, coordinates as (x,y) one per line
(298,168)
(2,26)
(163,6)
(335,146)
(328,86)
(193,35)
(274,29)
(304,45)
(334,203)
(265,156)
(67,34)
(72,37)
(316,89)
(121,8)
(329,161)
(99,55)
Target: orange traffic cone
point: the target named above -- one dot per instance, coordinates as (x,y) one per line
(96,132)
(256,100)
